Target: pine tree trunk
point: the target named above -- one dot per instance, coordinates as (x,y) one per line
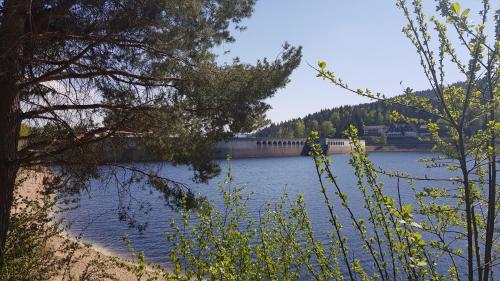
(12,29)
(9,132)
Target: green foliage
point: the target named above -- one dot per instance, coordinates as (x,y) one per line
(462,120)
(300,128)
(455,7)
(37,245)
(28,256)
(327,129)
(35,248)
(392,239)
(226,244)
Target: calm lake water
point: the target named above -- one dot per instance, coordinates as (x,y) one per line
(97,218)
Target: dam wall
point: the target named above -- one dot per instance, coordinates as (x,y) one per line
(133,149)
(338,146)
(259,148)
(277,147)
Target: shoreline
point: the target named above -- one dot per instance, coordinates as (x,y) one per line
(94,246)
(390,148)
(83,254)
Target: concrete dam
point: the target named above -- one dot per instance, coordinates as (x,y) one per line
(277,147)
(132,148)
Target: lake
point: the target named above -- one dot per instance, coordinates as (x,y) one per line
(97,219)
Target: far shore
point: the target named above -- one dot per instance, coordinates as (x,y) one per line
(392,148)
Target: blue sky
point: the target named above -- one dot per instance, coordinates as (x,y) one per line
(360,40)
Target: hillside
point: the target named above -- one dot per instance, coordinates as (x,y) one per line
(332,122)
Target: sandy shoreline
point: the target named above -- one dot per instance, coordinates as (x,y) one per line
(84,255)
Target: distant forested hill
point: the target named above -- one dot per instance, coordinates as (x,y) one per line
(332,122)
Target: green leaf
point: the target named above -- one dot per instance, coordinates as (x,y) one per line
(408,208)
(456,7)
(465,13)
(322,64)
(390,202)
(344,196)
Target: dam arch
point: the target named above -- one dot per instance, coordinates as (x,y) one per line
(271,147)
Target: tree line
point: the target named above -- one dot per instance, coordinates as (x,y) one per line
(332,122)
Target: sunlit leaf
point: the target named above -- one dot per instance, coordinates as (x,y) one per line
(456,7)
